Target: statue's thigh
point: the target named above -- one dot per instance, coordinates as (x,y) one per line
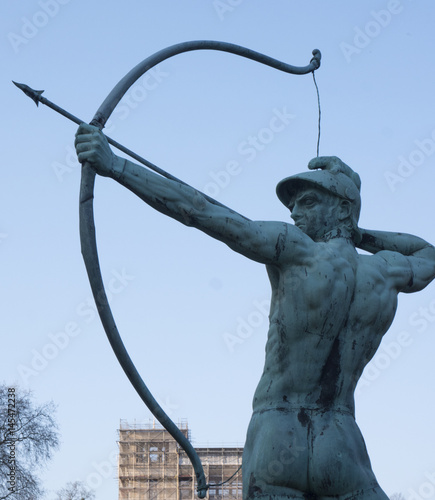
(275,456)
(339,462)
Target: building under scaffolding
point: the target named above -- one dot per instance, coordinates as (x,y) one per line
(152,466)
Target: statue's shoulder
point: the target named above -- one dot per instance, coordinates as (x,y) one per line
(371,261)
(290,245)
(381,265)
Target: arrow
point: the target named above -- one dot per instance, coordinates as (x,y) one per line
(37,97)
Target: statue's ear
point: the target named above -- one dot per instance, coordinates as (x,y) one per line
(345,209)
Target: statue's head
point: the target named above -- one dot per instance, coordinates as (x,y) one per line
(335,201)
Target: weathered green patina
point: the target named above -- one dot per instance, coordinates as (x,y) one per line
(330,308)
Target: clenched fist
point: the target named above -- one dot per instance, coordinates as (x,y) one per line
(92,147)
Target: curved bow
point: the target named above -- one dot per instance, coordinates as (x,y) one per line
(87,224)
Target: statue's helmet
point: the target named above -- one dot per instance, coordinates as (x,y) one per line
(330,174)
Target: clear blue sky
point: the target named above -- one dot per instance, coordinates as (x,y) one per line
(178,297)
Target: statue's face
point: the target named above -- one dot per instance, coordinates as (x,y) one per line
(314,212)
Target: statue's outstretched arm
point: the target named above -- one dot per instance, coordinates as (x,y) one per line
(264,242)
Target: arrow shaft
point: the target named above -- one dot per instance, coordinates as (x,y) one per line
(43,100)
(117,145)
(59,110)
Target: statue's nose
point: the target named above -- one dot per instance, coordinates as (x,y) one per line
(295,214)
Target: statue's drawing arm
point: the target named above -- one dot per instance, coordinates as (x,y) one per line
(411,259)
(265,242)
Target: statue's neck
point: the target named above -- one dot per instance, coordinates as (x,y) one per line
(337,233)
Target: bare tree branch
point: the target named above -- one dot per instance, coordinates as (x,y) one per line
(75,491)
(28,438)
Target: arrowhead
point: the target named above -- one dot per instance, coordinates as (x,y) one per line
(35,95)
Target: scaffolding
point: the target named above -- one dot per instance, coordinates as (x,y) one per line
(152,466)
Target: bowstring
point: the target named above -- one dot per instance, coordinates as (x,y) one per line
(320,113)
(226,481)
